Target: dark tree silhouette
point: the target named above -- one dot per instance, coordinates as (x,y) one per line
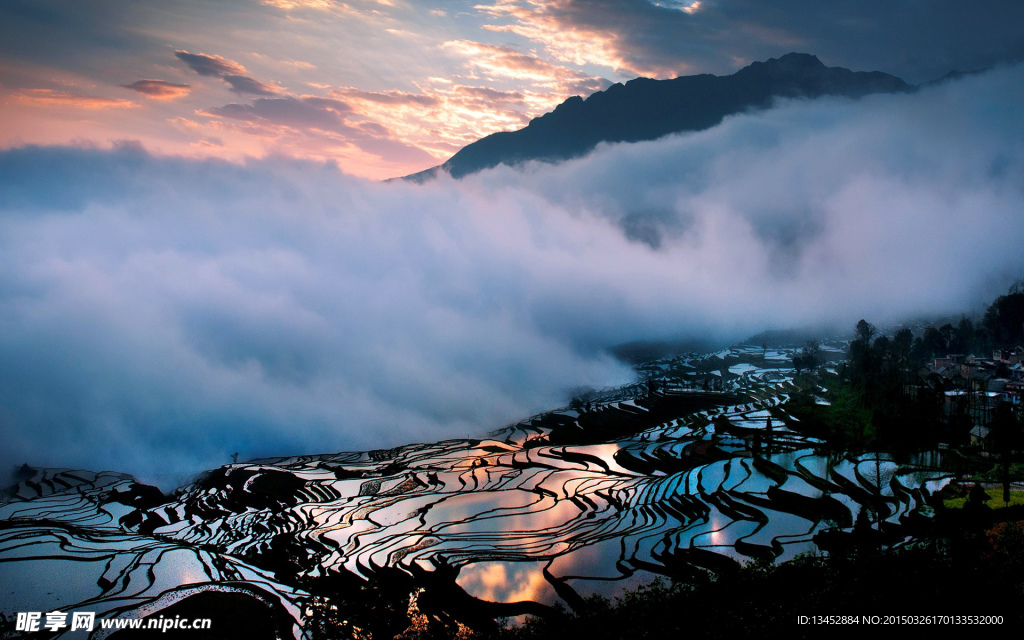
(1005,438)
(1004,319)
(808,356)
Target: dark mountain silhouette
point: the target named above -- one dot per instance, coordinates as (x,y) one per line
(645,109)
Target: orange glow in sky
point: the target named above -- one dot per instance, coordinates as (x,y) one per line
(382,88)
(390,87)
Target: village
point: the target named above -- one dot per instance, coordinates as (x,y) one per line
(978,386)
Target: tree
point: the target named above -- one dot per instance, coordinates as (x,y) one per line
(934,343)
(966,336)
(808,356)
(1004,319)
(949,338)
(1005,438)
(811,349)
(865,331)
(901,351)
(862,359)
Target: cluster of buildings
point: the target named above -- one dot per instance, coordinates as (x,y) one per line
(977,386)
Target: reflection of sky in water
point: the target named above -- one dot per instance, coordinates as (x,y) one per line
(596,560)
(606,452)
(507,582)
(136,568)
(44,585)
(723,535)
(877,474)
(497,511)
(711,477)
(796,484)
(756,483)
(779,523)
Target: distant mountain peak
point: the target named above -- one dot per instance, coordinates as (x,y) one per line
(646,109)
(802,60)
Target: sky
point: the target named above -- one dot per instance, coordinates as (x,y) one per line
(387,87)
(198,256)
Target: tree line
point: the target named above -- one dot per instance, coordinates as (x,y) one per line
(884,399)
(1001,327)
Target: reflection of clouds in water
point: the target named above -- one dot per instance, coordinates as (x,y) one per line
(462,517)
(506,582)
(461,512)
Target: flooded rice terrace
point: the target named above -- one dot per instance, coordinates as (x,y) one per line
(698,467)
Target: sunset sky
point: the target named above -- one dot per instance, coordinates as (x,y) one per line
(389,87)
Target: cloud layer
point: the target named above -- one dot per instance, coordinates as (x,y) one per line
(668,38)
(420,82)
(158,314)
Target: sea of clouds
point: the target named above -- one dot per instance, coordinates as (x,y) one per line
(159,314)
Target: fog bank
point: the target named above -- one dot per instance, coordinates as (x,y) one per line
(158,314)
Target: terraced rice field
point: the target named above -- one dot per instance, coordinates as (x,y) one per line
(530,515)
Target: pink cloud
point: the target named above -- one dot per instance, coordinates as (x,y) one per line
(51,97)
(159,89)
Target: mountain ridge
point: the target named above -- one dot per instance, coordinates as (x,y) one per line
(647,109)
